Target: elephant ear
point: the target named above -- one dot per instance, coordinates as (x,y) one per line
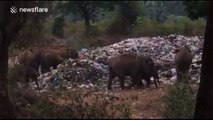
(72,53)
(176,50)
(187,48)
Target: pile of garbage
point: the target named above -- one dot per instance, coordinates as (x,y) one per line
(74,72)
(92,68)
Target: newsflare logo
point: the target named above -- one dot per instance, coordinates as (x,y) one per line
(14,10)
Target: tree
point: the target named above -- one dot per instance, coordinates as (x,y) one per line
(204,103)
(58,26)
(196,9)
(160,10)
(33,28)
(10,25)
(126,13)
(86,9)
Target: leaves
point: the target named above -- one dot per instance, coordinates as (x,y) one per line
(196,9)
(180,102)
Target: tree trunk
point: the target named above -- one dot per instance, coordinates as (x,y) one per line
(204,103)
(87,20)
(6,106)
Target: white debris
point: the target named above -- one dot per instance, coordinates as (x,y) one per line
(92,67)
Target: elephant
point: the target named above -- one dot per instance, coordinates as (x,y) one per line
(149,71)
(183,60)
(131,64)
(47,57)
(26,73)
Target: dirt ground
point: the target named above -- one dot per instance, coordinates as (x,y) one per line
(147,103)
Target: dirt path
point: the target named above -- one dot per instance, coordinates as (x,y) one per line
(145,103)
(149,101)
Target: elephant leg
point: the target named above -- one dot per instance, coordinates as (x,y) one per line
(134,81)
(155,81)
(186,76)
(140,83)
(181,75)
(42,69)
(111,76)
(121,79)
(187,73)
(158,81)
(36,81)
(26,81)
(178,74)
(137,82)
(148,81)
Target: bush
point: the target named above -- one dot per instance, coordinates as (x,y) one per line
(27,36)
(58,26)
(49,24)
(14,76)
(31,33)
(74,105)
(102,25)
(79,37)
(199,27)
(125,16)
(144,26)
(174,24)
(179,102)
(117,25)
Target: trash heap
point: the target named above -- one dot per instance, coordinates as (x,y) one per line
(92,68)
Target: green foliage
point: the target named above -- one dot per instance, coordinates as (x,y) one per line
(12,75)
(33,25)
(196,9)
(138,18)
(15,74)
(58,26)
(47,109)
(102,25)
(199,26)
(159,10)
(125,17)
(48,25)
(128,11)
(179,102)
(76,107)
(87,10)
(174,24)
(144,26)
(80,37)
(28,35)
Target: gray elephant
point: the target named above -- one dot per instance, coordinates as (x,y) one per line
(149,71)
(53,57)
(30,58)
(26,73)
(47,57)
(50,59)
(183,60)
(133,65)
